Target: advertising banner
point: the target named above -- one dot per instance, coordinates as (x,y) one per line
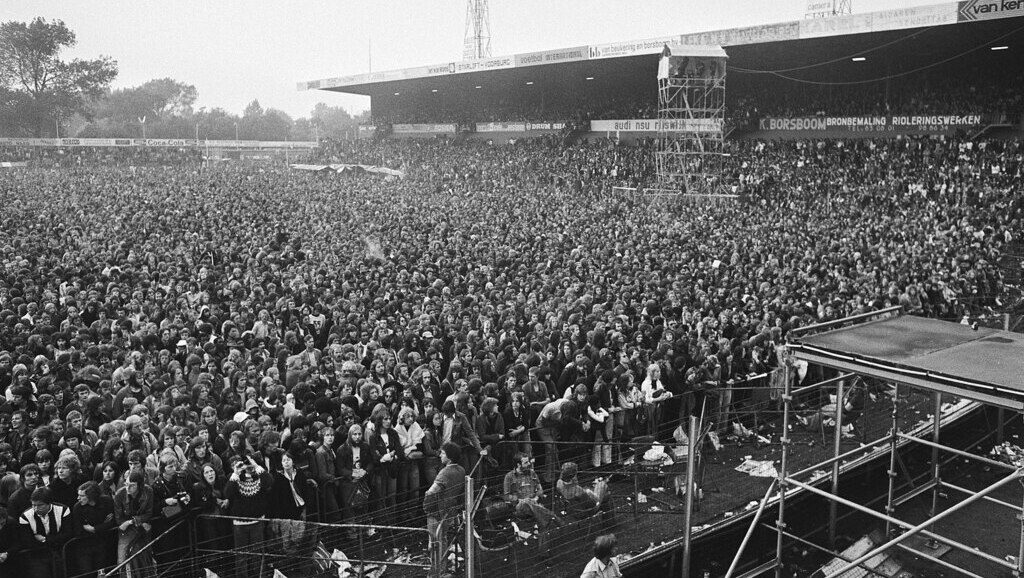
(500,127)
(747,35)
(545,125)
(632,48)
(903,124)
(657,125)
(970,10)
(820,8)
(496,63)
(836,25)
(152,142)
(29,142)
(551,56)
(422,128)
(916,17)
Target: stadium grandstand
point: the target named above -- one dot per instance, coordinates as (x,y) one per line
(316,363)
(925,65)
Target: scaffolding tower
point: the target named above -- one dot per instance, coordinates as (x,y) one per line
(477,40)
(691,119)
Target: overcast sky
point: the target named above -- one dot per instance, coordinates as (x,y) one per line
(235,51)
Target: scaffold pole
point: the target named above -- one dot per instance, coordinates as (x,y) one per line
(691,460)
(894,438)
(936,430)
(833,508)
(780,524)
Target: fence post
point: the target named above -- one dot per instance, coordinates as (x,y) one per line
(362,553)
(470,550)
(691,459)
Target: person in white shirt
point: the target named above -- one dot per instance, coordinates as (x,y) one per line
(603,564)
(654,391)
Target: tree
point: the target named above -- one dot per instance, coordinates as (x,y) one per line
(331,121)
(51,89)
(165,103)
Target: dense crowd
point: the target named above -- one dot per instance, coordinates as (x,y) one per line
(273,343)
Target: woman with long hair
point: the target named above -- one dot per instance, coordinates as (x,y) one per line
(198,455)
(108,476)
(208,499)
(388,453)
(354,465)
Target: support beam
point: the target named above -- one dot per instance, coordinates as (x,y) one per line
(961,453)
(938,561)
(750,530)
(902,524)
(1001,397)
(1014,507)
(918,528)
(929,485)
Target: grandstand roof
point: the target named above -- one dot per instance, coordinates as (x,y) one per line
(890,42)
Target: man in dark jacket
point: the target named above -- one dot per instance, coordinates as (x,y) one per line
(248,494)
(443,500)
(457,430)
(93,515)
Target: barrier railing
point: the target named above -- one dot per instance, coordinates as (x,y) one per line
(294,545)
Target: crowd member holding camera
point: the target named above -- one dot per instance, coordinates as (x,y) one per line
(248,493)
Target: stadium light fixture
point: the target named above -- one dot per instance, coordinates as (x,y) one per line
(478,86)
(1004,47)
(397,93)
(433,90)
(858,59)
(529,82)
(590,78)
